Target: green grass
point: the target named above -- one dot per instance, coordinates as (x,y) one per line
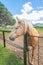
(5,33)
(39,29)
(0,32)
(8,58)
(5,28)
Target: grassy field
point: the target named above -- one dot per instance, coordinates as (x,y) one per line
(5,33)
(39,29)
(8,58)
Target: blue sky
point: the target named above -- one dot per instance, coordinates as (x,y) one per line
(14,6)
(28,9)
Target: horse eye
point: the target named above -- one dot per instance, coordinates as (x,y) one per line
(16,28)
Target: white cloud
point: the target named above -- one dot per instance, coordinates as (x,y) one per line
(34,16)
(27,7)
(37,22)
(41,13)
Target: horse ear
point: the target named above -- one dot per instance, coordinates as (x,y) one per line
(17,18)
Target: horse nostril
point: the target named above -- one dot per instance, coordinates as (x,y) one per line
(11,38)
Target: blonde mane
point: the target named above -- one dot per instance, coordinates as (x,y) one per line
(28,25)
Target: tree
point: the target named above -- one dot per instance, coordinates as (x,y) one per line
(5,16)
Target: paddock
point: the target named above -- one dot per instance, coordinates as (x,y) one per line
(18,45)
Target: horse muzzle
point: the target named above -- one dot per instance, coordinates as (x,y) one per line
(11,38)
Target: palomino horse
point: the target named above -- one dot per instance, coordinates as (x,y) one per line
(23,27)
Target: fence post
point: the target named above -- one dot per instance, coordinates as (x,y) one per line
(38,50)
(4,39)
(26,59)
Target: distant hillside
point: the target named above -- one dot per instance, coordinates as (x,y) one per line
(38,24)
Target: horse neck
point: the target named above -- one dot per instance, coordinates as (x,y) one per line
(29,29)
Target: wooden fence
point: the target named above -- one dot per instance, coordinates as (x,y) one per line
(25,48)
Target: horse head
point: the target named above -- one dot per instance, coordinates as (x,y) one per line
(18,29)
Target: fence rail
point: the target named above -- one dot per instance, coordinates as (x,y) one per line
(5,30)
(26,53)
(14,44)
